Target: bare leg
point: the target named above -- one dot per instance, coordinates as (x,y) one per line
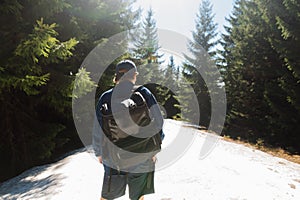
(102,198)
(141,198)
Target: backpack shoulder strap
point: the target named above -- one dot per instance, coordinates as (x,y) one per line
(137,96)
(136,87)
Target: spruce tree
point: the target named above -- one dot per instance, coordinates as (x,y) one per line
(43,46)
(146,49)
(170,87)
(247,71)
(283,21)
(203,50)
(259,84)
(206,29)
(148,58)
(28,133)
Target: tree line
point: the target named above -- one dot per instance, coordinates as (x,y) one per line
(261,72)
(259,62)
(45,42)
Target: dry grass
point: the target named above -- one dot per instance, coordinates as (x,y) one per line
(278,152)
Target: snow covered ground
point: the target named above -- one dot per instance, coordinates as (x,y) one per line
(231,171)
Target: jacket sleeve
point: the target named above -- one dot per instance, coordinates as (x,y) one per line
(156,112)
(97,130)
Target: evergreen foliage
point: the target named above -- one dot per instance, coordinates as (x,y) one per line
(261,72)
(146,49)
(44,43)
(146,55)
(203,51)
(170,87)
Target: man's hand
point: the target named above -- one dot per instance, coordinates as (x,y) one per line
(154,159)
(100,159)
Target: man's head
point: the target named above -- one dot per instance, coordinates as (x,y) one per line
(126,70)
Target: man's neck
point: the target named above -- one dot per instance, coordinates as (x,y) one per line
(126,81)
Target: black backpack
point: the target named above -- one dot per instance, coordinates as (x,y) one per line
(140,115)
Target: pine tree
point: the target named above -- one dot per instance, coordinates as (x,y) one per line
(203,51)
(247,71)
(28,137)
(257,77)
(146,49)
(206,29)
(147,56)
(187,101)
(43,46)
(170,87)
(283,24)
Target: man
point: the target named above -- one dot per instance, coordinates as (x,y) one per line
(115,180)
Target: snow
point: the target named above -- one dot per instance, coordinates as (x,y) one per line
(231,171)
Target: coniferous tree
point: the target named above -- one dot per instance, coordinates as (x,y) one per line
(186,101)
(230,71)
(149,59)
(28,133)
(260,84)
(146,49)
(206,29)
(245,76)
(203,51)
(283,21)
(170,87)
(43,46)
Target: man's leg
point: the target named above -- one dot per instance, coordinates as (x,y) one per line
(140,184)
(114,184)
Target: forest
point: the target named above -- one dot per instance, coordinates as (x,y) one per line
(44,42)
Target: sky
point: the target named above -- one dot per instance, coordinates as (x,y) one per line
(180,15)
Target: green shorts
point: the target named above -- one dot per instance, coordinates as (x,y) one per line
(115,182)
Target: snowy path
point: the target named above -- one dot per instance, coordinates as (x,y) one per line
(232,171)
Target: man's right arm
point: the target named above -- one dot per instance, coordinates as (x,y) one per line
(97,132)
(156,112)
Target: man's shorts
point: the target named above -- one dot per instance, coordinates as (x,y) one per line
(115,182)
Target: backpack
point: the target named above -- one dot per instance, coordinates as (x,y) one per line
(140,115)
